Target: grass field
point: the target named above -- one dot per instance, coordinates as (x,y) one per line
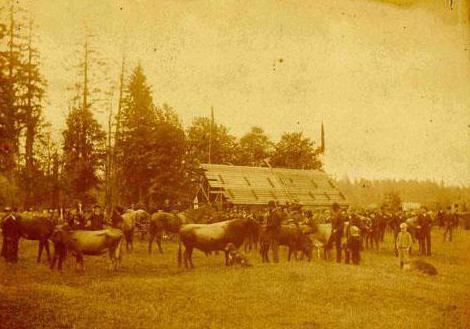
(151,292)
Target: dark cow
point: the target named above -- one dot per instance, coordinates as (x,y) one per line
(292,236)
(213,237)
(37,227)
(164,222)
(81,242)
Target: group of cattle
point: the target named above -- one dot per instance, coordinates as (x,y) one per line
(226,236)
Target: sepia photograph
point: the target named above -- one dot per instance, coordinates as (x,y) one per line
(232,164)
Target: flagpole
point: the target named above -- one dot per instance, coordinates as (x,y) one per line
(210,132)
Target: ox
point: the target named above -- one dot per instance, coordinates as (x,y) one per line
(81,242)
(214,237)
(293,236)
(37,227)
(130,219)
(161,222)
(320,238)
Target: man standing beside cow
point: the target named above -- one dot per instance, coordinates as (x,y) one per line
(424,232)
(337,227)
(11,236)
(273,228)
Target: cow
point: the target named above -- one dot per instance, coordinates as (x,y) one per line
(214,237)
(164,222)
(35,226)
(320,239)
(81,242)
(130,219)
(293,236)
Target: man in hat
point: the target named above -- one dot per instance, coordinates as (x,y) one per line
(404,243)
(97,218)
(11,236)
(273,227)
(337,227)
(425,223)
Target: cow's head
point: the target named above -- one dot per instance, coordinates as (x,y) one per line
(61,234)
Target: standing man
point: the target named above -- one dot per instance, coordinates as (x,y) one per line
(97,219)
(11,236)
(80,217)
(448,222)
(273,227)
(425,222)
(337,227)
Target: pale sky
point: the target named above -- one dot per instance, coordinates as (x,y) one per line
(391,83)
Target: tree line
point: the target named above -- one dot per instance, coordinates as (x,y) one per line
(144,155)
(391,193)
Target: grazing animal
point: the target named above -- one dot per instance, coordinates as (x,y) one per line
(290,235)
(37,227)
(81,242)
(421,266)
(212,237)
(164,222)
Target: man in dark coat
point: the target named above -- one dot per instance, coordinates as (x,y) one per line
(448,223)
(11,236)
(337,227)
(97,219)
(424,232)
(273,227)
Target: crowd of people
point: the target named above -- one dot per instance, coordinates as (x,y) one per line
(351,229)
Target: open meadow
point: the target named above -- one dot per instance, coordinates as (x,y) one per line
(151,292)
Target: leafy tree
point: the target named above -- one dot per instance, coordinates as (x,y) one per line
(255,147)
(295,151)
(205,134)
(392,201)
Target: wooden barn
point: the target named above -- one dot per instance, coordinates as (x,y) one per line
(256,186)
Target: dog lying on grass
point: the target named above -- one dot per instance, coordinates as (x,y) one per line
(421,266)
(236,257)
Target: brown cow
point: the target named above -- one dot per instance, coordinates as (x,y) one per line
(164,222)
(213,237)
(36,226)
(81,242)
(293,236)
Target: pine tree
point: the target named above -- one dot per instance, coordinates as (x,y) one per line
(150,147)
(12,68)
(31,105)
(84,141)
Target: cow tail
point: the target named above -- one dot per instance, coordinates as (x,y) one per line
(179,252)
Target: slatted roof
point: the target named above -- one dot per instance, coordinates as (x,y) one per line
(259,185)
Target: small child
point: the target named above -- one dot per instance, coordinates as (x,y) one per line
(404,242)
(236,257)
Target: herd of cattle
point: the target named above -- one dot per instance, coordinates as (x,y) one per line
(227,235)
